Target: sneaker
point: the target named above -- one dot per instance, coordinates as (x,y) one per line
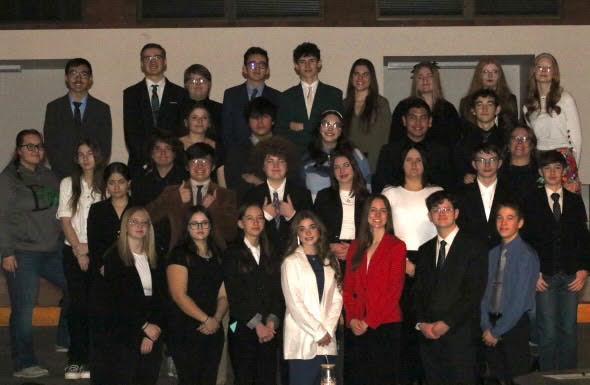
(84,371)
(60,349)
(31,372)
(171,368)
(72,372)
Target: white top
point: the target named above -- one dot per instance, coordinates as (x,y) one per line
(487,196)
(558,130)
(410,215)
(348,229)
(79,219)
(307,319)
(145,275)
(254,249)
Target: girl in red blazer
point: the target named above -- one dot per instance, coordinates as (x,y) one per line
(372,289)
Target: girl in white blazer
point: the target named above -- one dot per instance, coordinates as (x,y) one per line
(311,282)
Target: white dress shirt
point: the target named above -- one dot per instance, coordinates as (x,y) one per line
(78,220)
(487,196)
(145,275)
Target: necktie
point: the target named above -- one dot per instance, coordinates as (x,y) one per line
(497,285)
(277,205)
(556,206)
(199,195)
(77,114)
(254,93)
(309,100)
(441,255)
(155,103)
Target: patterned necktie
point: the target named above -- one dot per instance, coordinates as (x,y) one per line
(441,255)
(155,104)
(556,206)
(497,285)
(77,114)
(277,205)
(254,93)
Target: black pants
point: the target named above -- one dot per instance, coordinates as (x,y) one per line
(254,363)
(101,347)
(78,285)
(374,356)
(510,357)
(129,367)
(196,357)
(451,358)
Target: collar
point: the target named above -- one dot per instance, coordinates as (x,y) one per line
(549,192)
(84,100)
(280,189)
(313,85)
(490,188)
(450,238)
(160,84)
(250,88)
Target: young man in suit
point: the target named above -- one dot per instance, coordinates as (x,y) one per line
(556,227)
(174,201)
(256,69)
(74,117)
(154,102)
(301,105)
(417,119)
(485,109)
(477,200)
(279,196)
(450,280)
(513,269)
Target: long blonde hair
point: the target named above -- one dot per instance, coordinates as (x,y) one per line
(149,246)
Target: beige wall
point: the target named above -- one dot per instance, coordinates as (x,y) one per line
(115,60)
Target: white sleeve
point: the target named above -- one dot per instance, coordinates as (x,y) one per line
(65,194)
(572,121)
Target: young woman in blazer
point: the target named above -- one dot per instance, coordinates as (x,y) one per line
(199,302)
(137,302)
(253,284)
(372,290)
(76,194)
(310,278)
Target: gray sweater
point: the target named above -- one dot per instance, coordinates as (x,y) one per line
(28,206)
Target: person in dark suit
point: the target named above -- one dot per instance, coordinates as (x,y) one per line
(451,273)
(375,268)
(198,82)
(73,117)
(301,105)
(252,280)
(154,102)
(137,291)
(478,200)
(256,70)
(104,224)
(280,197)
(556,227)
(417,120)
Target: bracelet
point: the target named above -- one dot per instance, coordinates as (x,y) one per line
(145,326)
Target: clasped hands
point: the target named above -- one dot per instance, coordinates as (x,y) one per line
(434,330)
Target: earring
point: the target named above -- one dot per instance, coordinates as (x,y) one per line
(298,241)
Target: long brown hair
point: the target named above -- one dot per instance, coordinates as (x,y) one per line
(97,186)
(533,101)
(245,261)
(359,185)
(322,245)
(365,236)
(371,107)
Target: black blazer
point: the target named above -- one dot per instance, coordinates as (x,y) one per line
(472,216)
(452,295)
(62,136)
(301,199)
(569,239)
(329,208)
(235,125)
(389,165)
(130,308)
(253,289)
(138,122)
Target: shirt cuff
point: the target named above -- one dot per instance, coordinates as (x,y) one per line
(267,216)
(275,319)
(291,217)
(254,321)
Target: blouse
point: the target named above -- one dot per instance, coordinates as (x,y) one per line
(80,218)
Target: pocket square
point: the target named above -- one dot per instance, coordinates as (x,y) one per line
(173,102)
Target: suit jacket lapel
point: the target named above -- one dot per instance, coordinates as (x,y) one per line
(316,100)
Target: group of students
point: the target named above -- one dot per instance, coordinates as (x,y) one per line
(278,225)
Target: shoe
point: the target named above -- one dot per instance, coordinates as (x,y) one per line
(84,371)
(72,372)
(60,349)
(31,372)
(171,367)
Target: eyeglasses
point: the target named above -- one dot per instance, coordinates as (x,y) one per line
(439,210)
(519,139)
(136,223)
(492,72)
(32,147)
(199,225)
(253,65)
(544,68)
(197,81)
(200,162)
(154,58)
(326,124)
(82,74)
(484,161)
